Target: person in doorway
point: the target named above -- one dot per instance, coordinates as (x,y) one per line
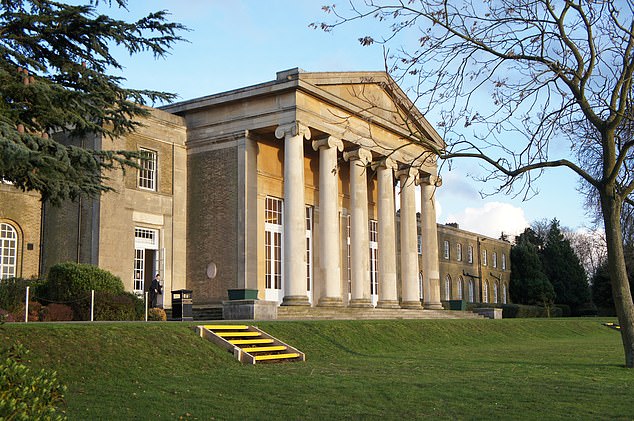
(155,290)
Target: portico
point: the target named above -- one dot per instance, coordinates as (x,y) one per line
(320,157)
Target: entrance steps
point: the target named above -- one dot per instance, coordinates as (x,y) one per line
(352,313)
(249,344)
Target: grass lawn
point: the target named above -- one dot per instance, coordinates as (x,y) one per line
(400,369)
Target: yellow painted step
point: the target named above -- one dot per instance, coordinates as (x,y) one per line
(226,327)
(265,348)
(276,356)
(250,341)
(237,334)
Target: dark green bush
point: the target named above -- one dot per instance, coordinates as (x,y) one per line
(585,310)
(512,311)
(13,293)
(25,394)
(124,306)
(71,281)
(565,309)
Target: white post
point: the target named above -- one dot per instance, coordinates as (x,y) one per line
(26,309)
(146,303)
(92,305)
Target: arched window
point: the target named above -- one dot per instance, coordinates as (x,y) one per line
(495,259)
(8,251)
(448,287)
(471,291)
(496,288)
(459,252)
(504,292)
(503,261)
(460,287)
(485,292)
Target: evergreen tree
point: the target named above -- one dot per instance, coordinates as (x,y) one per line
(602,288)
(564,270)
(53,78)
(529,284)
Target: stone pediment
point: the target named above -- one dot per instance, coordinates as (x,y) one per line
(377,97)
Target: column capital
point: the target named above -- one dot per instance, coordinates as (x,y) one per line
(328,142)
(360,154)
(292,129)
(408,172)
(432,180)
(386,162)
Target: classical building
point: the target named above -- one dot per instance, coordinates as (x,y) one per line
(286,187)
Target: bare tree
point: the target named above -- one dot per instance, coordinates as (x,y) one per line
(523,76)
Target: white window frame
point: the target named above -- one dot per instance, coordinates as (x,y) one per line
(471,291)
(8,251)
(460,287)
(309,250)
(373,228)
(144,238)
(484,257)
(459,252)
(448,287)
(148,171)
(274,248)
(485,292)
(349,252)
(495,260)
(470,253)
(446,253)
(503,262)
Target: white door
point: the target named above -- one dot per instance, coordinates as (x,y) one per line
(374,269)
(274,250)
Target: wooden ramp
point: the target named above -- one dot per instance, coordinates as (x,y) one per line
(249,344)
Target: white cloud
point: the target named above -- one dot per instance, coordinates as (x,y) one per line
(491,219)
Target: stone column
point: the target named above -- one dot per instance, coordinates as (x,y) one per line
(410,295)
(295,292)
(431,275)
(359,236)
(329,244)
(388,296)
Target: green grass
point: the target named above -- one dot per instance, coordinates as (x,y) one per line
(409,369)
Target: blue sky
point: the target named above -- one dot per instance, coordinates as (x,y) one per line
(244,42)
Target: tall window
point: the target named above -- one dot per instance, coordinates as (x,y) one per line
(460,287)
(147,170)
(273,243)
(470,254)
(471,291)
(448,287)
(495,259)
(485,292)
(419,242)
(348,251)
(504,292)
(459,252)
(484,257)
(309,247)
(8,251)
(374,248)
(446,249)
(503,262)
(496,288)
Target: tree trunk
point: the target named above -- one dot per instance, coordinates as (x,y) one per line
(611,208)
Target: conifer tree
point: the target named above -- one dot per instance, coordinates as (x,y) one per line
(54,77)
(529,284)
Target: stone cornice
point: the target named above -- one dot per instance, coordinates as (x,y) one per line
(386,162)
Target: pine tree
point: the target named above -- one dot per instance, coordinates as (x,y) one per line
(53,78)
(564,270)
(529,284)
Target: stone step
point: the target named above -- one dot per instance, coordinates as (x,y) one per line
(348,313)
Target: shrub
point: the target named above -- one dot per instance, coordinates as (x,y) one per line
(565,309)
(71,281)
(13,293)
(156,314)
(124,306)
(28,395)
(57,313)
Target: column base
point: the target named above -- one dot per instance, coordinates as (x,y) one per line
(411,305)
(330,302)
(361,303)
(388,304)
(296,300)
(433,306)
